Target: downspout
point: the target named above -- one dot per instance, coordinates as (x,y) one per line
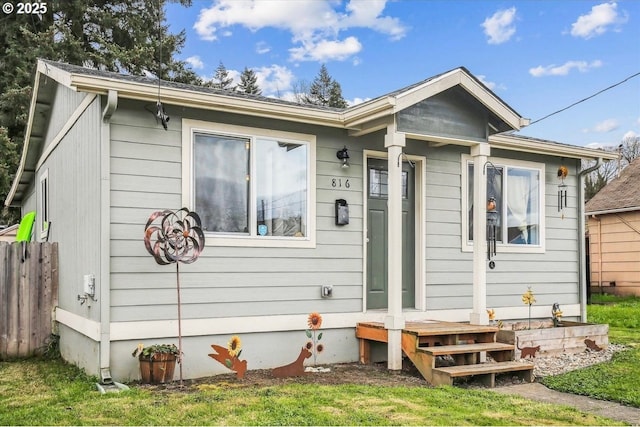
(105,246)
(582,251)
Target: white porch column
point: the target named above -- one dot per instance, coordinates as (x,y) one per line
(394,322)
(480,154)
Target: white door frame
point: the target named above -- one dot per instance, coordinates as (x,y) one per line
(420,218)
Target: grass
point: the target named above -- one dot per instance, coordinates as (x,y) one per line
(50,392)
(615,380)
(39,392)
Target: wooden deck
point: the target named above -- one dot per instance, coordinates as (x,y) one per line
(425,341)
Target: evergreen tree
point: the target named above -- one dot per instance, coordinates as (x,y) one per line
(249,82)
(335,96)
(593,184)
(221,79)
(325,91)
(112,35)
(8,161)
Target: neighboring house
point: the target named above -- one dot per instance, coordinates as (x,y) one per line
(8,234)
(98,163)
(614,234)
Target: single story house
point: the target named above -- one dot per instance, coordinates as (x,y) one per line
(613,216)
(268,178)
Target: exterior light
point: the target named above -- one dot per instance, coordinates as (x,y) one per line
(344,156)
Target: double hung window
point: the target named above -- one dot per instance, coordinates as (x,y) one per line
(251,186)
(517,188)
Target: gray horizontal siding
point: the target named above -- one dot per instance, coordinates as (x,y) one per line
(146,176)
(161,280)
(449,271)
(552,275)
(74,199)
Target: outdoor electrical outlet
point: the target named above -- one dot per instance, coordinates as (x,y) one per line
(327,291)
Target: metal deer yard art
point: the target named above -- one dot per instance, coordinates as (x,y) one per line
(177,239)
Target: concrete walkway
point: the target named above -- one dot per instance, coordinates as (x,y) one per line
(538,392)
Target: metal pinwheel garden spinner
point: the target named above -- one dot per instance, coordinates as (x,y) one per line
(177,239)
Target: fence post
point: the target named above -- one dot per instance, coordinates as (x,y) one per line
(28,295)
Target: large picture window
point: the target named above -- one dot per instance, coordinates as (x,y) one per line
(252,186)
(517,190)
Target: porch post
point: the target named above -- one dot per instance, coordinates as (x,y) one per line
(394,321)
(480,153)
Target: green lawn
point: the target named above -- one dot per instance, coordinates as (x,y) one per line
(39,392)
(616,380)
(50,392)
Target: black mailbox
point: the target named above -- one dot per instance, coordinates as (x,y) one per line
(342,212)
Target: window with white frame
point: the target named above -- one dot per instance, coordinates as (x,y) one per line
(517,188)
(248,183)
(44,205)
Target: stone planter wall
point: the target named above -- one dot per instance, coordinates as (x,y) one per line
(567,338)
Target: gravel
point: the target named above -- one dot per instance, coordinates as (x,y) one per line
(561,363)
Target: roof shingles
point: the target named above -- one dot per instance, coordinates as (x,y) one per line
(621,193)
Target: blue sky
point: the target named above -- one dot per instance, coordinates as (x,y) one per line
(537,56)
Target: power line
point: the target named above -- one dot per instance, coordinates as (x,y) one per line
(587,98)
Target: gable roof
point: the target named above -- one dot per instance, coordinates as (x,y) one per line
(360,119)
(354,117)
(620,195)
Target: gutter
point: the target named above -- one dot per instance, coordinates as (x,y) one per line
(613,211)
(583,281)
(106,383)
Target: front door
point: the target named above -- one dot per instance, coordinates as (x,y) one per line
(377,247)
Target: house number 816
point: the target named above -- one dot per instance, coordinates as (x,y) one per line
(338,183)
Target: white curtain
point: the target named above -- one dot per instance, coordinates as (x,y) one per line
(518,195)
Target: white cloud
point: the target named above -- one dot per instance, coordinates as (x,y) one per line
(483,79)
(326,50)
(262,48)
(564,69)
(500,26)
(315,25)
(595,145)
(598,21)
(491,85)
(356,101)
(606,126)
(275,80)
(195,62)
(630,135)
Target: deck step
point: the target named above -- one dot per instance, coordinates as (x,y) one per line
(445,375)
(442,350)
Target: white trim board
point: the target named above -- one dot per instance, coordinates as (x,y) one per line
(149,329)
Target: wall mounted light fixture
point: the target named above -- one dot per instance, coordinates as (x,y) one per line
(344,156)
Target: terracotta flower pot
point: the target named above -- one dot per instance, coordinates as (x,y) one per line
(158,369)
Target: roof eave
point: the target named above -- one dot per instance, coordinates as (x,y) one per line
(204,100)
(514,143)
(40,70)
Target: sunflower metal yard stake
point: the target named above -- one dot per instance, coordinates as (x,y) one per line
(314,321)
(528,298)
(178,239)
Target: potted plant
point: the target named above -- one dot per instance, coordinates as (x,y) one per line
(157,362)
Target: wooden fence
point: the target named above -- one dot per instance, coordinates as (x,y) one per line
(28,296)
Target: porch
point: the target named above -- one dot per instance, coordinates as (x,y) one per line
(425,343)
